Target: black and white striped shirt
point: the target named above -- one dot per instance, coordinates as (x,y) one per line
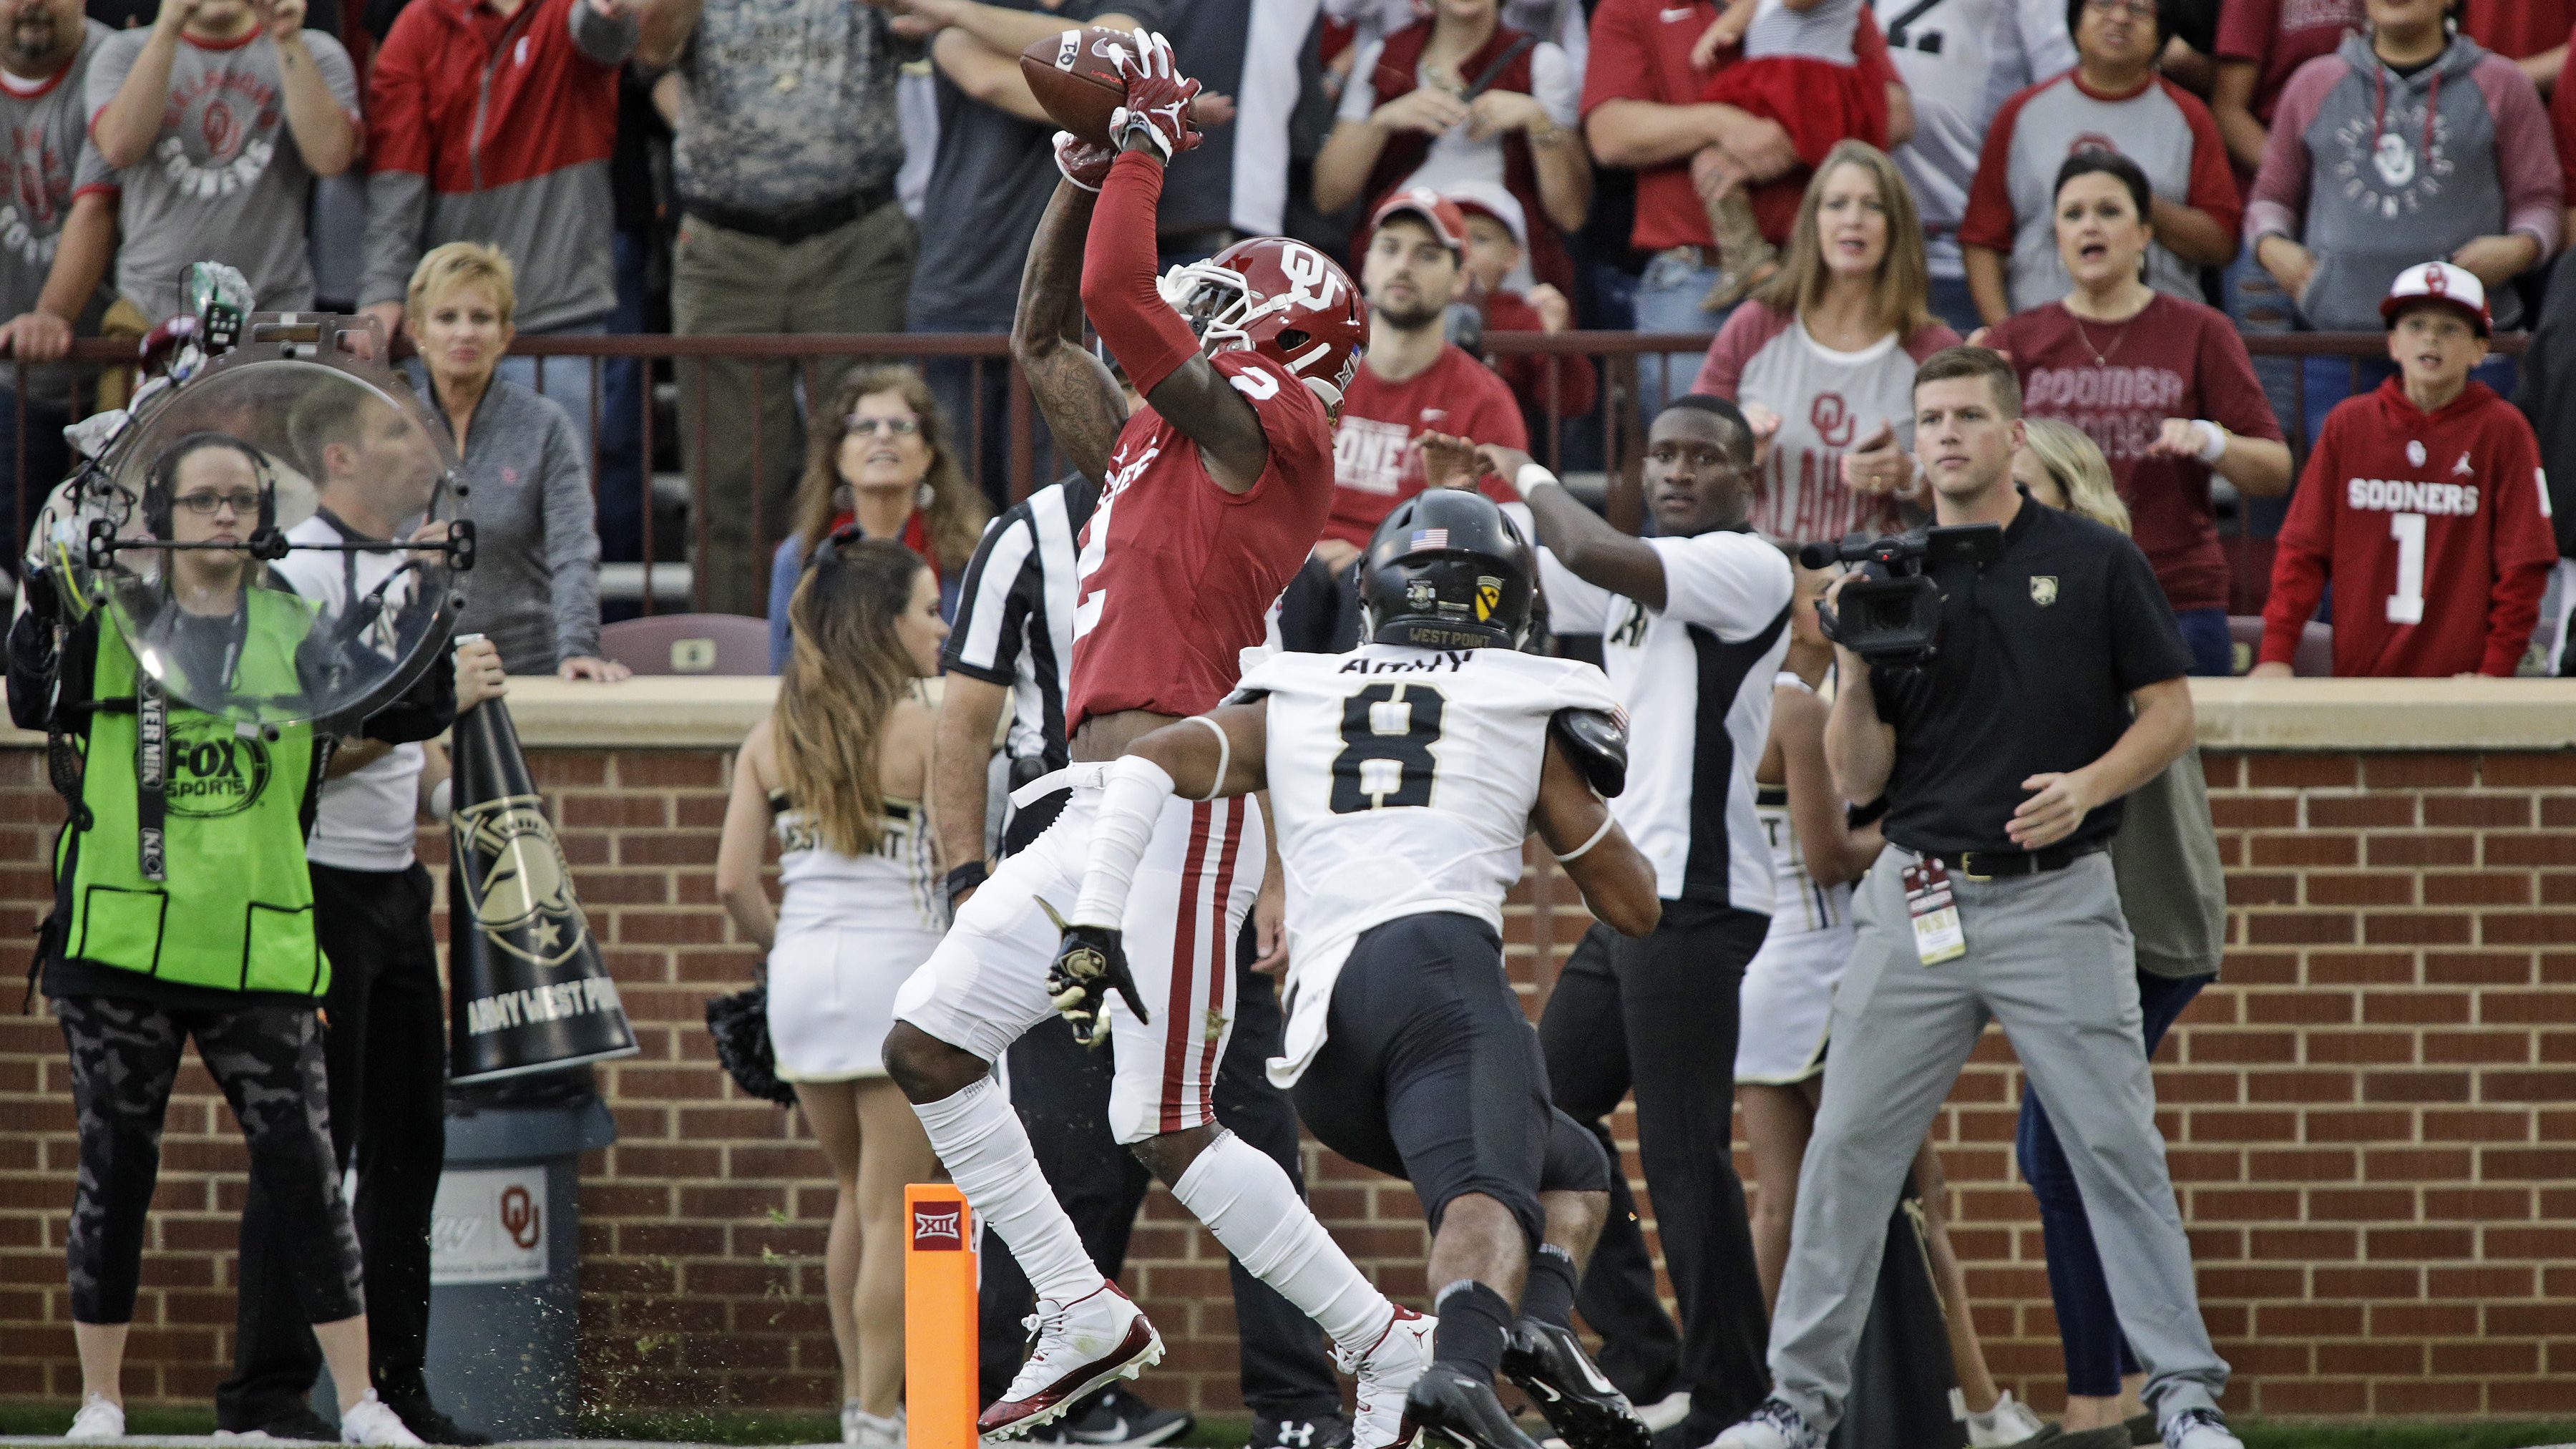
(1015,614)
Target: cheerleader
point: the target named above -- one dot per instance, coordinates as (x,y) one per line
(839,770)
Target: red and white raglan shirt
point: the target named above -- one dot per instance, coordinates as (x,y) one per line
(2433,528)
(1375,463)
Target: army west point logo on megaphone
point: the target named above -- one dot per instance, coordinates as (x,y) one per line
(518,881)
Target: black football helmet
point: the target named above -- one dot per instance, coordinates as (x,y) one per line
(1447,570)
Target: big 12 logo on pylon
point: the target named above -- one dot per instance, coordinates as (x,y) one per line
(938,1227)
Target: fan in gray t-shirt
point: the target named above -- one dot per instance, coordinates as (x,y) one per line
(45,161)
(226,182)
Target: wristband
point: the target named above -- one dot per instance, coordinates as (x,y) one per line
(2213,440)
(966,877)
(1607,820)
(1532,474)
(1224,753)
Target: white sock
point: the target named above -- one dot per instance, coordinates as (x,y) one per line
(1254,1210)
(986,1150)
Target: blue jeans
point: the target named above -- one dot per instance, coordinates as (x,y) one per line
(2096,1354)
(1667,300)
(1952,303)
(2204,633)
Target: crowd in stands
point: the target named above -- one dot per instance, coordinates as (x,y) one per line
(1837,188)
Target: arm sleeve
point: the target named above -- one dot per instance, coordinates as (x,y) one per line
(2562,128)
(1622,64)
(603,39)
(1987,220)
(331,61)
(2279,203)
(398,162)
(2527,160)
(2213,176)
(2526,549)
(992,605)
(1733,584)
(1359,98)
(572,542)
(2301,561)
(1553,81)
(107,72)
(1121,827)
(2228,387)
(2247,28)
(1118,268)
(33,664)
(1574,605)
(1721,374)
(2146,643)
(786,565)
(422,712)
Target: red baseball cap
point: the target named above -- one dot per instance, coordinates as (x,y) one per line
(1439,213)
(2441,282)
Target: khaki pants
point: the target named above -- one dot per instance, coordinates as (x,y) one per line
(850,279)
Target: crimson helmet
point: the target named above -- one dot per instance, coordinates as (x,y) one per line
(1282,299)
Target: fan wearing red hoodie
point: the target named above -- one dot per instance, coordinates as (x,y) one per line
(2424,504)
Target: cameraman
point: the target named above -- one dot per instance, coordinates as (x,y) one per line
(2003,760)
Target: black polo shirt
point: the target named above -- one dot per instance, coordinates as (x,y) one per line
(2039,653)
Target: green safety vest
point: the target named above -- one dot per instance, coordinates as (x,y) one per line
(233,907)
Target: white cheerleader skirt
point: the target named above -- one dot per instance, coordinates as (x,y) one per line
(831,997)
(1787,1004)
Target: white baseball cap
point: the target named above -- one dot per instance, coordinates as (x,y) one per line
(1493,200)
(2440,282)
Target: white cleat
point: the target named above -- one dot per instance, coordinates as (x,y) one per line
(1386,1373)
(373,1421)
(1079,1346)
(98,1419)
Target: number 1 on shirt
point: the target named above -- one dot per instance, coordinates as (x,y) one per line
(2406,606)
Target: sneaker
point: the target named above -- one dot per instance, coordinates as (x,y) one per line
(1665,1412)
(1386,1373)
(1115,1416)
(1773,1424)
(867,1431)
(1448,1405)
(423,1418)
(296,1422)
(1549,1365)
(2200,1429)
(1323,1431)
(2008,1422)
(373,1421)
(97,1419)
(1075,1347)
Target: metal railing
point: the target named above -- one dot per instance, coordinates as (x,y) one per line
(1004,444)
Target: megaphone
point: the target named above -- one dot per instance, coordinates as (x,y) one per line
(526,989)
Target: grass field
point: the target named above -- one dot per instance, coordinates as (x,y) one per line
(1229,1431)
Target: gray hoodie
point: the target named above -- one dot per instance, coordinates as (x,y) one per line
(2374,172)
(534,587)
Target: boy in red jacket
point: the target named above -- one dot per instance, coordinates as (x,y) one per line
(2424,502)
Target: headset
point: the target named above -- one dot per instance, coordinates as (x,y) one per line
(161,485)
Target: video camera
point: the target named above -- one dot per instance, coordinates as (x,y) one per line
(1893,616)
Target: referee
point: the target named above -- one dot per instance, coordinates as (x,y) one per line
(1693,625)
(1012,649)
(2057,689)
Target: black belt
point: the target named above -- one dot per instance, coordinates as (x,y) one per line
(795,224)
(2003,864)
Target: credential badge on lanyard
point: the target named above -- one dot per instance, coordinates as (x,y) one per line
(1938,936)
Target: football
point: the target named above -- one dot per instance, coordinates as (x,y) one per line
(1074,75)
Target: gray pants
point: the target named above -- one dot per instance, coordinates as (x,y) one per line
(2049,956)
(751,450)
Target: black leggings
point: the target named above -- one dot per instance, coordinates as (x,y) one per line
(268,1060)
(1430,1072)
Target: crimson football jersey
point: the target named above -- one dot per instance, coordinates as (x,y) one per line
(2434,529)
(1176,575)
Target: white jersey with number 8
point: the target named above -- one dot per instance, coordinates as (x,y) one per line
(1401,783)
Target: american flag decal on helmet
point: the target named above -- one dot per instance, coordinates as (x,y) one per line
(1427,538)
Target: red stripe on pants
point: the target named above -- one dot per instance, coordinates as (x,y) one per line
(1222,947)
(1185,950)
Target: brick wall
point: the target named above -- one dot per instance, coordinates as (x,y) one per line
(2371,1120)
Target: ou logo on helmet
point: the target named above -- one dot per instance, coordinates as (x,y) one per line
(1312,280)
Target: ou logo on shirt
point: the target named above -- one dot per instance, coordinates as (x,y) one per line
(1832,419)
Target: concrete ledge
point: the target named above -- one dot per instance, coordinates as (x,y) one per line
(710,712)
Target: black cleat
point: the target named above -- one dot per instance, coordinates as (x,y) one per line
(1549,1365)
(431,1424)
(1446,1405)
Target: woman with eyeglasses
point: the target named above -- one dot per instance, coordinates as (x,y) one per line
(839,772)
(880,461)
(2113,96)
(535,587)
